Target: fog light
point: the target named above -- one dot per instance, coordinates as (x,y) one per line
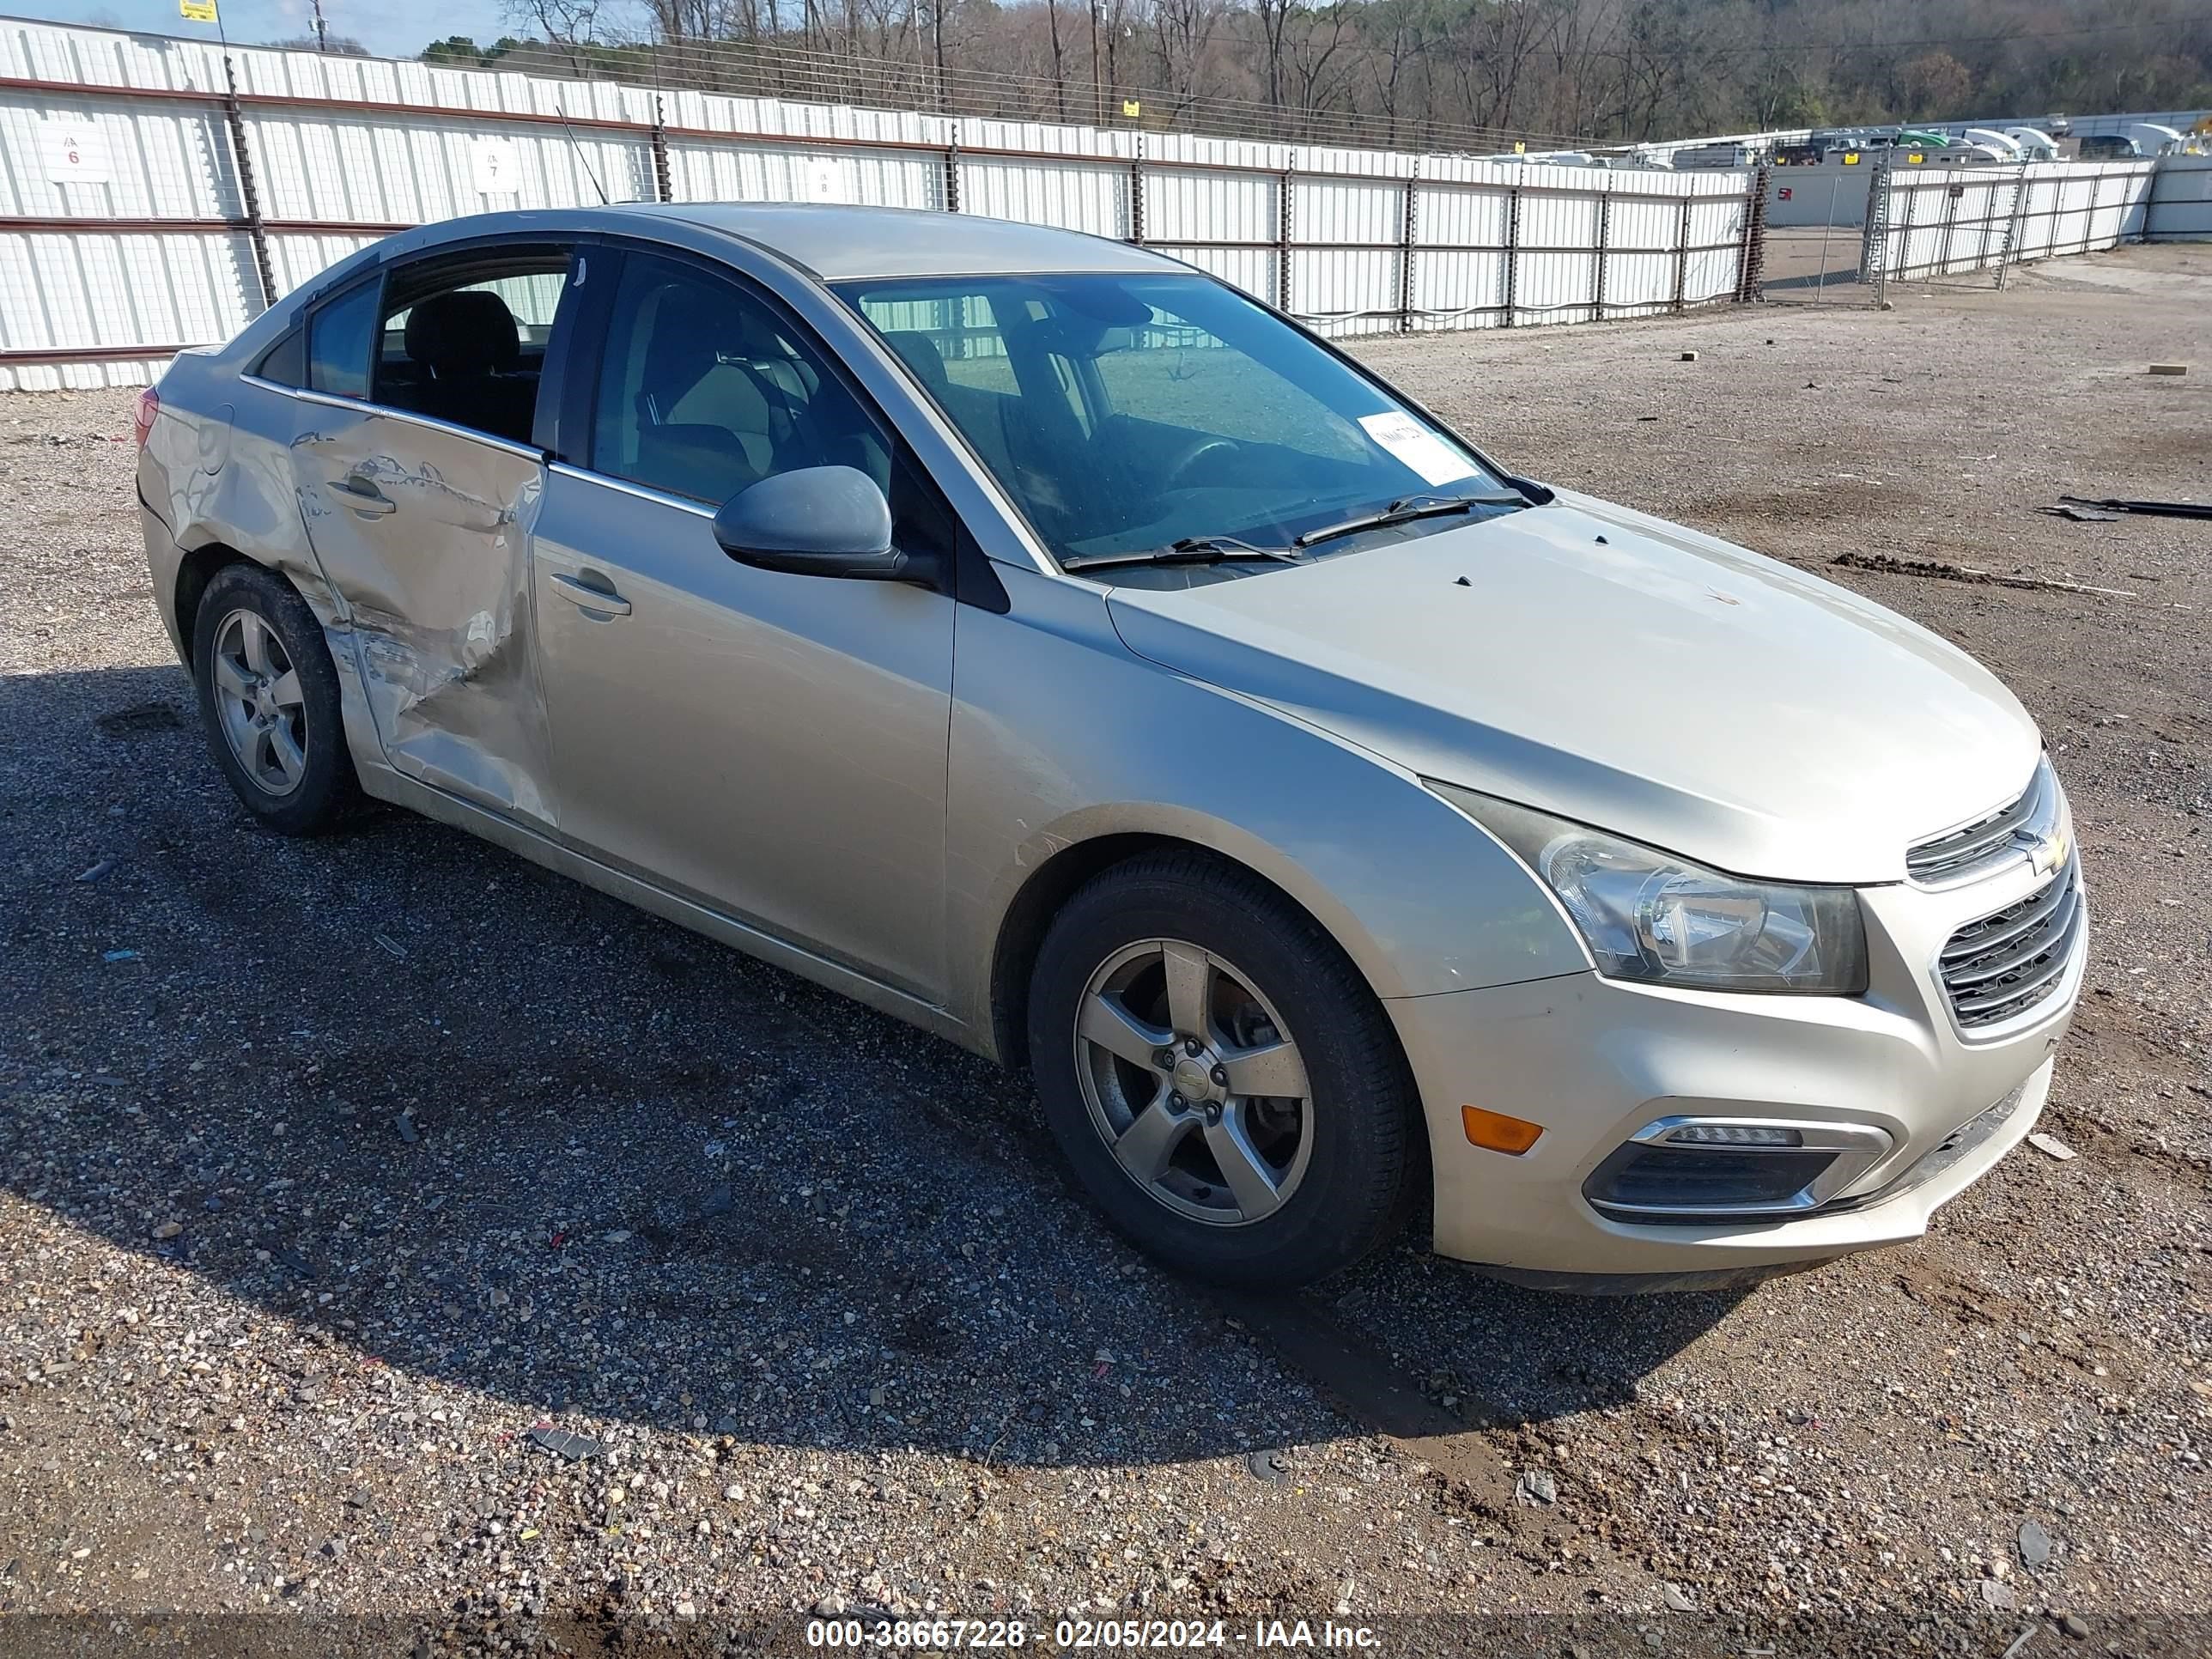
(1715,1169)
(1686,1180)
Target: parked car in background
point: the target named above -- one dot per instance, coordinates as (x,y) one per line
(1046,643)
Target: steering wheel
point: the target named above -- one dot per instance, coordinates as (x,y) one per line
(1195,452)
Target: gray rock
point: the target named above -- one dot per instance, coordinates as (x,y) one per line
(2034,1544)
(2075,1625)
(1996,1594)
(1537,1487)
(573,1448)
(1678,1598)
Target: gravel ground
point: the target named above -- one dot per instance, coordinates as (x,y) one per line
(331,1174)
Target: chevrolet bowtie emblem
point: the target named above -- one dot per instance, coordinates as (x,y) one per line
(2049,853)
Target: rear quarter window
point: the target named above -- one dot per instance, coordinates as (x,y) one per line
(285,362)
(339,334)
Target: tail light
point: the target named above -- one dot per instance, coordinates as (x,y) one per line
(142,416)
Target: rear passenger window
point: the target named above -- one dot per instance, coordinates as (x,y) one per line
(339,337)
(462,336)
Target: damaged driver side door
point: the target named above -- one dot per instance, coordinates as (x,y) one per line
(419,485)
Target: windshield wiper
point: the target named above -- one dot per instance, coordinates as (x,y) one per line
(1405,510)
(1191,550)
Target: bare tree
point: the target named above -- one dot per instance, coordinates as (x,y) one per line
(568,26)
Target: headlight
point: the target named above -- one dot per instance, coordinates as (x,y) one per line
(1649,915)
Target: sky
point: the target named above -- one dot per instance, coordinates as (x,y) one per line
(390,28)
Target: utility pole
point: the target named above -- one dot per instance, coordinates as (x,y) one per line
(1097,86)
(322,35)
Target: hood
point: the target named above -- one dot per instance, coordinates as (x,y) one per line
(1611,668)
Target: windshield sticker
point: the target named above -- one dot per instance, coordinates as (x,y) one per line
(1416,447)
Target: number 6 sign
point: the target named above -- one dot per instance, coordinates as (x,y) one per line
(75,152)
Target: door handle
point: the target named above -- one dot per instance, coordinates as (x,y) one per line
(362,496)
(579,593)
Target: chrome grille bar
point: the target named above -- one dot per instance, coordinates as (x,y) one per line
(2004,964)
(1962,853)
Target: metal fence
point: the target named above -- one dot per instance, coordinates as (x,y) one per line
(1923,226)
(157,192)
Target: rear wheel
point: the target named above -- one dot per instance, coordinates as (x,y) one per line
(1223,1082)
(269,699)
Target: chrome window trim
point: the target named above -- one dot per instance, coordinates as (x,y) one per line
(643,492)
(1859,1148)
(430,422)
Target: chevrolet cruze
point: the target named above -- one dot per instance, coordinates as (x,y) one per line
(1046,643)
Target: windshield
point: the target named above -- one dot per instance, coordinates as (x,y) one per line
(1125,413)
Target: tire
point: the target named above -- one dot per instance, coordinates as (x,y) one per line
(274,725)
(1337,1167)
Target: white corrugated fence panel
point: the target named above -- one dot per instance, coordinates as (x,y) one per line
(1212,207)
(1089,196)
(326,166)
(68,291)
(702,170)
(399,143)
(165,160)
(2181,205)
(1252,268)
(1460,216)
(1458,289)
(1344,290)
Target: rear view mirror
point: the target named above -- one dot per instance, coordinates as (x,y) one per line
(816,522)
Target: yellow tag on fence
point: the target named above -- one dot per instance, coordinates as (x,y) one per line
(1132,108)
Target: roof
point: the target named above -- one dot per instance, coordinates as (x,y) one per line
(837,243)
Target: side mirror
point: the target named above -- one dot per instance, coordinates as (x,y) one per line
(816,522)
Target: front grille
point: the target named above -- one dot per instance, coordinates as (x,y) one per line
(1973,850)
(2002,966)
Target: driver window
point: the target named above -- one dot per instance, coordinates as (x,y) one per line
(706,389)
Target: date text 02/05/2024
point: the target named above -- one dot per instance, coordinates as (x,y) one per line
(1084,1635)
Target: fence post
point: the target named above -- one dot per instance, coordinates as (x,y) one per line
(1752,262)
(1406,250)
(1604,235)
(663,189)
(1904,238)
(1283,237)
(1136,193)
(1512,252)
(1950,228)
(2008,249)
(1682,258)
(249,198)
(952,168)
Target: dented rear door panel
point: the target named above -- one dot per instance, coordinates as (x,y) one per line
(423,532)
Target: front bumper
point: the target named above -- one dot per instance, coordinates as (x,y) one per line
(1594,1060)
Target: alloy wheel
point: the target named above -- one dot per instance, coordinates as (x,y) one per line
(259,702)
(1193,1082)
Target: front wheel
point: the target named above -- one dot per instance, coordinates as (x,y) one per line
(1223,1082)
